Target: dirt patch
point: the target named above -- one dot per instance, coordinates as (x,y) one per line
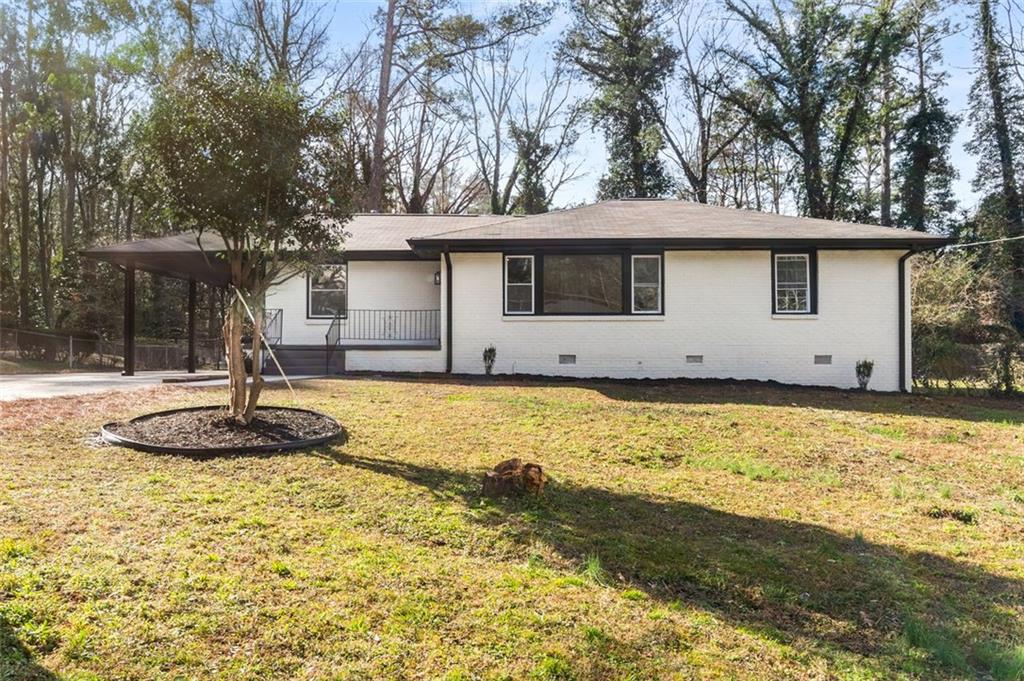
(211,427)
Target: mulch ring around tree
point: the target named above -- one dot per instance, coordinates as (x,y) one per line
(209,431)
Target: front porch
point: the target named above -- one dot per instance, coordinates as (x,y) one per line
(355,330)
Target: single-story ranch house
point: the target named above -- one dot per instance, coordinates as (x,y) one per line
(623,289)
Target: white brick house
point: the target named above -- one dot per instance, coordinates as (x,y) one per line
(624,289)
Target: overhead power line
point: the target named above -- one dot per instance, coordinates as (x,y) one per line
(982,243)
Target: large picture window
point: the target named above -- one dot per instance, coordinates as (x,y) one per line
(327,292)
(519,284)
(793,275)
(582,284)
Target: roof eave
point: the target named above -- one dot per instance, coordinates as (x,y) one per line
(434,245)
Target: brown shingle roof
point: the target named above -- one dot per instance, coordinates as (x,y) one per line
(370,234)
(391,232)
(679,222)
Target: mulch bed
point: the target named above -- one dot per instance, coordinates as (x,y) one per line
(211,428)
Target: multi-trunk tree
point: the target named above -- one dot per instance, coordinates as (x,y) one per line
(805,82)
(240,155)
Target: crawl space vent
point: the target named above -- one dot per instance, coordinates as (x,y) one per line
(695,359)
(567,359)
(823,359)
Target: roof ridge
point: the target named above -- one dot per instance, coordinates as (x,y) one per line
(512,217)
(425,215)
(508,218)
(754,211)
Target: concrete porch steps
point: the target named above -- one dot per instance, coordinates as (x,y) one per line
(305,361)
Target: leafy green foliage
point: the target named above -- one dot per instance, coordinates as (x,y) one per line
(622,49)
(234,153)
(809,68)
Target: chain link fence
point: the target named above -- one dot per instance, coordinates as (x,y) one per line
(38,350)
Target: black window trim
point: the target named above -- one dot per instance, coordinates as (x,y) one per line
(538,281)
(812,280)
(309,290)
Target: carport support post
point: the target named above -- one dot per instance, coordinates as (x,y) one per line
(129,320)
(191,326)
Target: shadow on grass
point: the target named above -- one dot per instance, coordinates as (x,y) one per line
(15,659)
(780,579)
(1009,410)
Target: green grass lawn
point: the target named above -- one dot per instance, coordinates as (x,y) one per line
(688,531)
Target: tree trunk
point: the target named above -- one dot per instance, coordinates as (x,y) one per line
(6,276)
(235,358)
(375,190)
(43,250)
(257,372)
(885,200)
(1010,191)
(70,178)
(1001,129)
(24,233)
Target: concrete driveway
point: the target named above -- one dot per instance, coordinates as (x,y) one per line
(29,386)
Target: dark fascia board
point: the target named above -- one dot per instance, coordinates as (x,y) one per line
(118,257)
(432,246)
(382,255)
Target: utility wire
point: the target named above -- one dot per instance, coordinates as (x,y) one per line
(982,243)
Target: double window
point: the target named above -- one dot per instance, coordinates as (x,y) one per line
(793,279)
(583,284)
(327,292)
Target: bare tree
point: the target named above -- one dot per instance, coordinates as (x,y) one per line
(426,36)
(457,190)
(488,80)
(522,131)
(1014,38)
(695,132)
(428,137)
(545,128)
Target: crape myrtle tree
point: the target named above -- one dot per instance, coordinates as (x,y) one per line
(240,155)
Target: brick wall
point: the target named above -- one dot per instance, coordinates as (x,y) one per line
(717,306)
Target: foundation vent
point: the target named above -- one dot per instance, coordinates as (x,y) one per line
(567,359)
(823,359)
(695,359)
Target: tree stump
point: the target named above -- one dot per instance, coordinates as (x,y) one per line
(513,478)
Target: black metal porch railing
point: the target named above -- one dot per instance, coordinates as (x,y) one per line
(383,325)
(396,325)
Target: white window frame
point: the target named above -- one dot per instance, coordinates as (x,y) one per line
(633,284)
(532,284)
(309,293)
(806,257)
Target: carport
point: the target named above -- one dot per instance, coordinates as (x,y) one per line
(190,256)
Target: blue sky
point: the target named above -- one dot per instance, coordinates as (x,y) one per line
(351,19)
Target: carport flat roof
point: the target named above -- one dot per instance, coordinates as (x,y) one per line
(381,236)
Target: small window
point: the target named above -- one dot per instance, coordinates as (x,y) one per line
(823,359)
(646,284)
(793,282)
(567,359)
(327,292)
(695,359)
(519,284)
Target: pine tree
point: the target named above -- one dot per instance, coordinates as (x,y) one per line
(925,194)
(998,114)
(621,48)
